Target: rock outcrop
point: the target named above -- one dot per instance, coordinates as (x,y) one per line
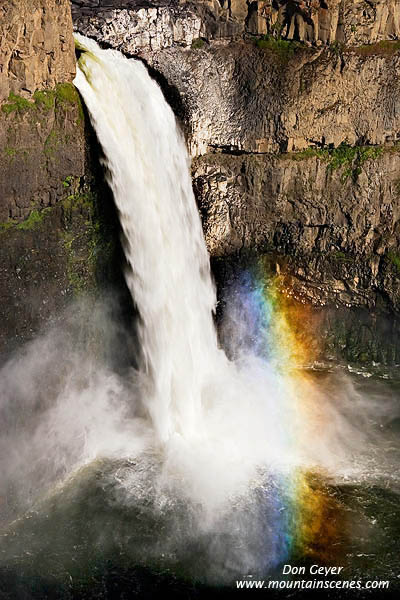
(36,46)
(151,25)
(336,229)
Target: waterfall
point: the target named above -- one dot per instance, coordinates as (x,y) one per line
(192,464)
(218,423)
(214,421)
(169,273)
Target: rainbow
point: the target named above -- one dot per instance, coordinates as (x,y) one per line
(309,522)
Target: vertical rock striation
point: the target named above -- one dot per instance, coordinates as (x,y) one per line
(51,227)
(36,46)
(161,23)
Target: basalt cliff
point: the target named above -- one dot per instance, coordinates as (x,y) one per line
(291,113)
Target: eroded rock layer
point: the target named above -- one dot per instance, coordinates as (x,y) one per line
(145,24)
(36,45)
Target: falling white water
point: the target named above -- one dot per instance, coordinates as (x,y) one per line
(169,274)
(215,426)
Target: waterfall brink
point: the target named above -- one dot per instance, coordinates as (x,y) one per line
(169,273)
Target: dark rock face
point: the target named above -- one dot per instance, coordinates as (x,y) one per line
(58,230)
(57,253)
(43,144)
(332,235)
(59,233)
(302,206)
(330,232)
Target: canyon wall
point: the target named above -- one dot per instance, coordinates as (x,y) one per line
(292,117)
(145,24)
(54,226)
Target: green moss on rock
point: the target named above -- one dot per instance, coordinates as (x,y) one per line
(349,159)
(382,48)
(34,219)
(7,225)
(66,93)
(10,152)
(16,104)
(197,43)
(44,100)
(51,143)
(395,260)
(283,49)
(87,240)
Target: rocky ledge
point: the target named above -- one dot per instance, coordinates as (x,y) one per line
(331,219)
(150,25)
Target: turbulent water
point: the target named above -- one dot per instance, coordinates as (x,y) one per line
(194,463)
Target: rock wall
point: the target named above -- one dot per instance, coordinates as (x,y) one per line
(247,98)
(36,46)
(58,236)
(336,229)
(264,97)
(141,24)
(328,21)
(43,148)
